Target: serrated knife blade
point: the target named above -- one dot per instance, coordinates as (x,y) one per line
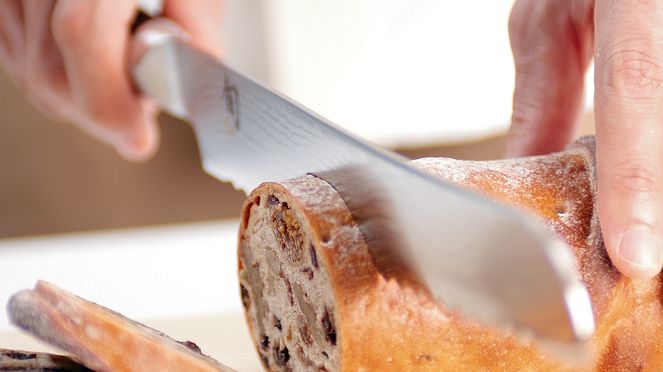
(481,259)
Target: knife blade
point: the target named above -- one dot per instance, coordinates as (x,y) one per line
(486,261)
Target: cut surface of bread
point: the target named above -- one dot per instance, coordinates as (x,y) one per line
(291,302)
(306,273)
(99,338)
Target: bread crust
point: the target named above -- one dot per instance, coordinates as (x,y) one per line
(391,324)
(99,338)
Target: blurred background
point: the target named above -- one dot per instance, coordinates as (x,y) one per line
(157,240)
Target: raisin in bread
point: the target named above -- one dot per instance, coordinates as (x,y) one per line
(316,298)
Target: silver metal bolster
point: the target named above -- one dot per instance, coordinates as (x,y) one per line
(154,65)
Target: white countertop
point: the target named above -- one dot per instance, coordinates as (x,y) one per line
(144,273)
(179,279)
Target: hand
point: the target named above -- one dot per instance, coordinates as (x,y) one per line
(553,42)
(70,59)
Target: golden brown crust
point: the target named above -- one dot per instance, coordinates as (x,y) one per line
(386,324)
(558,188)
(101,339)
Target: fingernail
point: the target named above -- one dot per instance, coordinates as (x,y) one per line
(641,248)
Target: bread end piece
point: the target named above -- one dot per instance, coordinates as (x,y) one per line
(99,338)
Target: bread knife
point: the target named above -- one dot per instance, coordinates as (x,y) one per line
(480,259)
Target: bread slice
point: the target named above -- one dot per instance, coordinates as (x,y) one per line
(25,361)
(316,297)
(99,338)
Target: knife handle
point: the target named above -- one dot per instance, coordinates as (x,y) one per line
(153,63)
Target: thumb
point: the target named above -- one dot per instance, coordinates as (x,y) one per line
(629,115)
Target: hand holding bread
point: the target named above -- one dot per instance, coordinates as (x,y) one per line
(553,43)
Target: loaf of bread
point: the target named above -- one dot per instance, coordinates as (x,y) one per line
(315,298)
(101,339)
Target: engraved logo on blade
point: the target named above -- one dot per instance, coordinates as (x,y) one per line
(230,97)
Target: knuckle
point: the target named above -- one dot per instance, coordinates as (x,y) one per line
(632,69)
(635,176)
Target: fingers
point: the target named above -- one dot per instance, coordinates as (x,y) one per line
(201,19)
(552,45)
(43,67)
(93,38)
(629,118)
